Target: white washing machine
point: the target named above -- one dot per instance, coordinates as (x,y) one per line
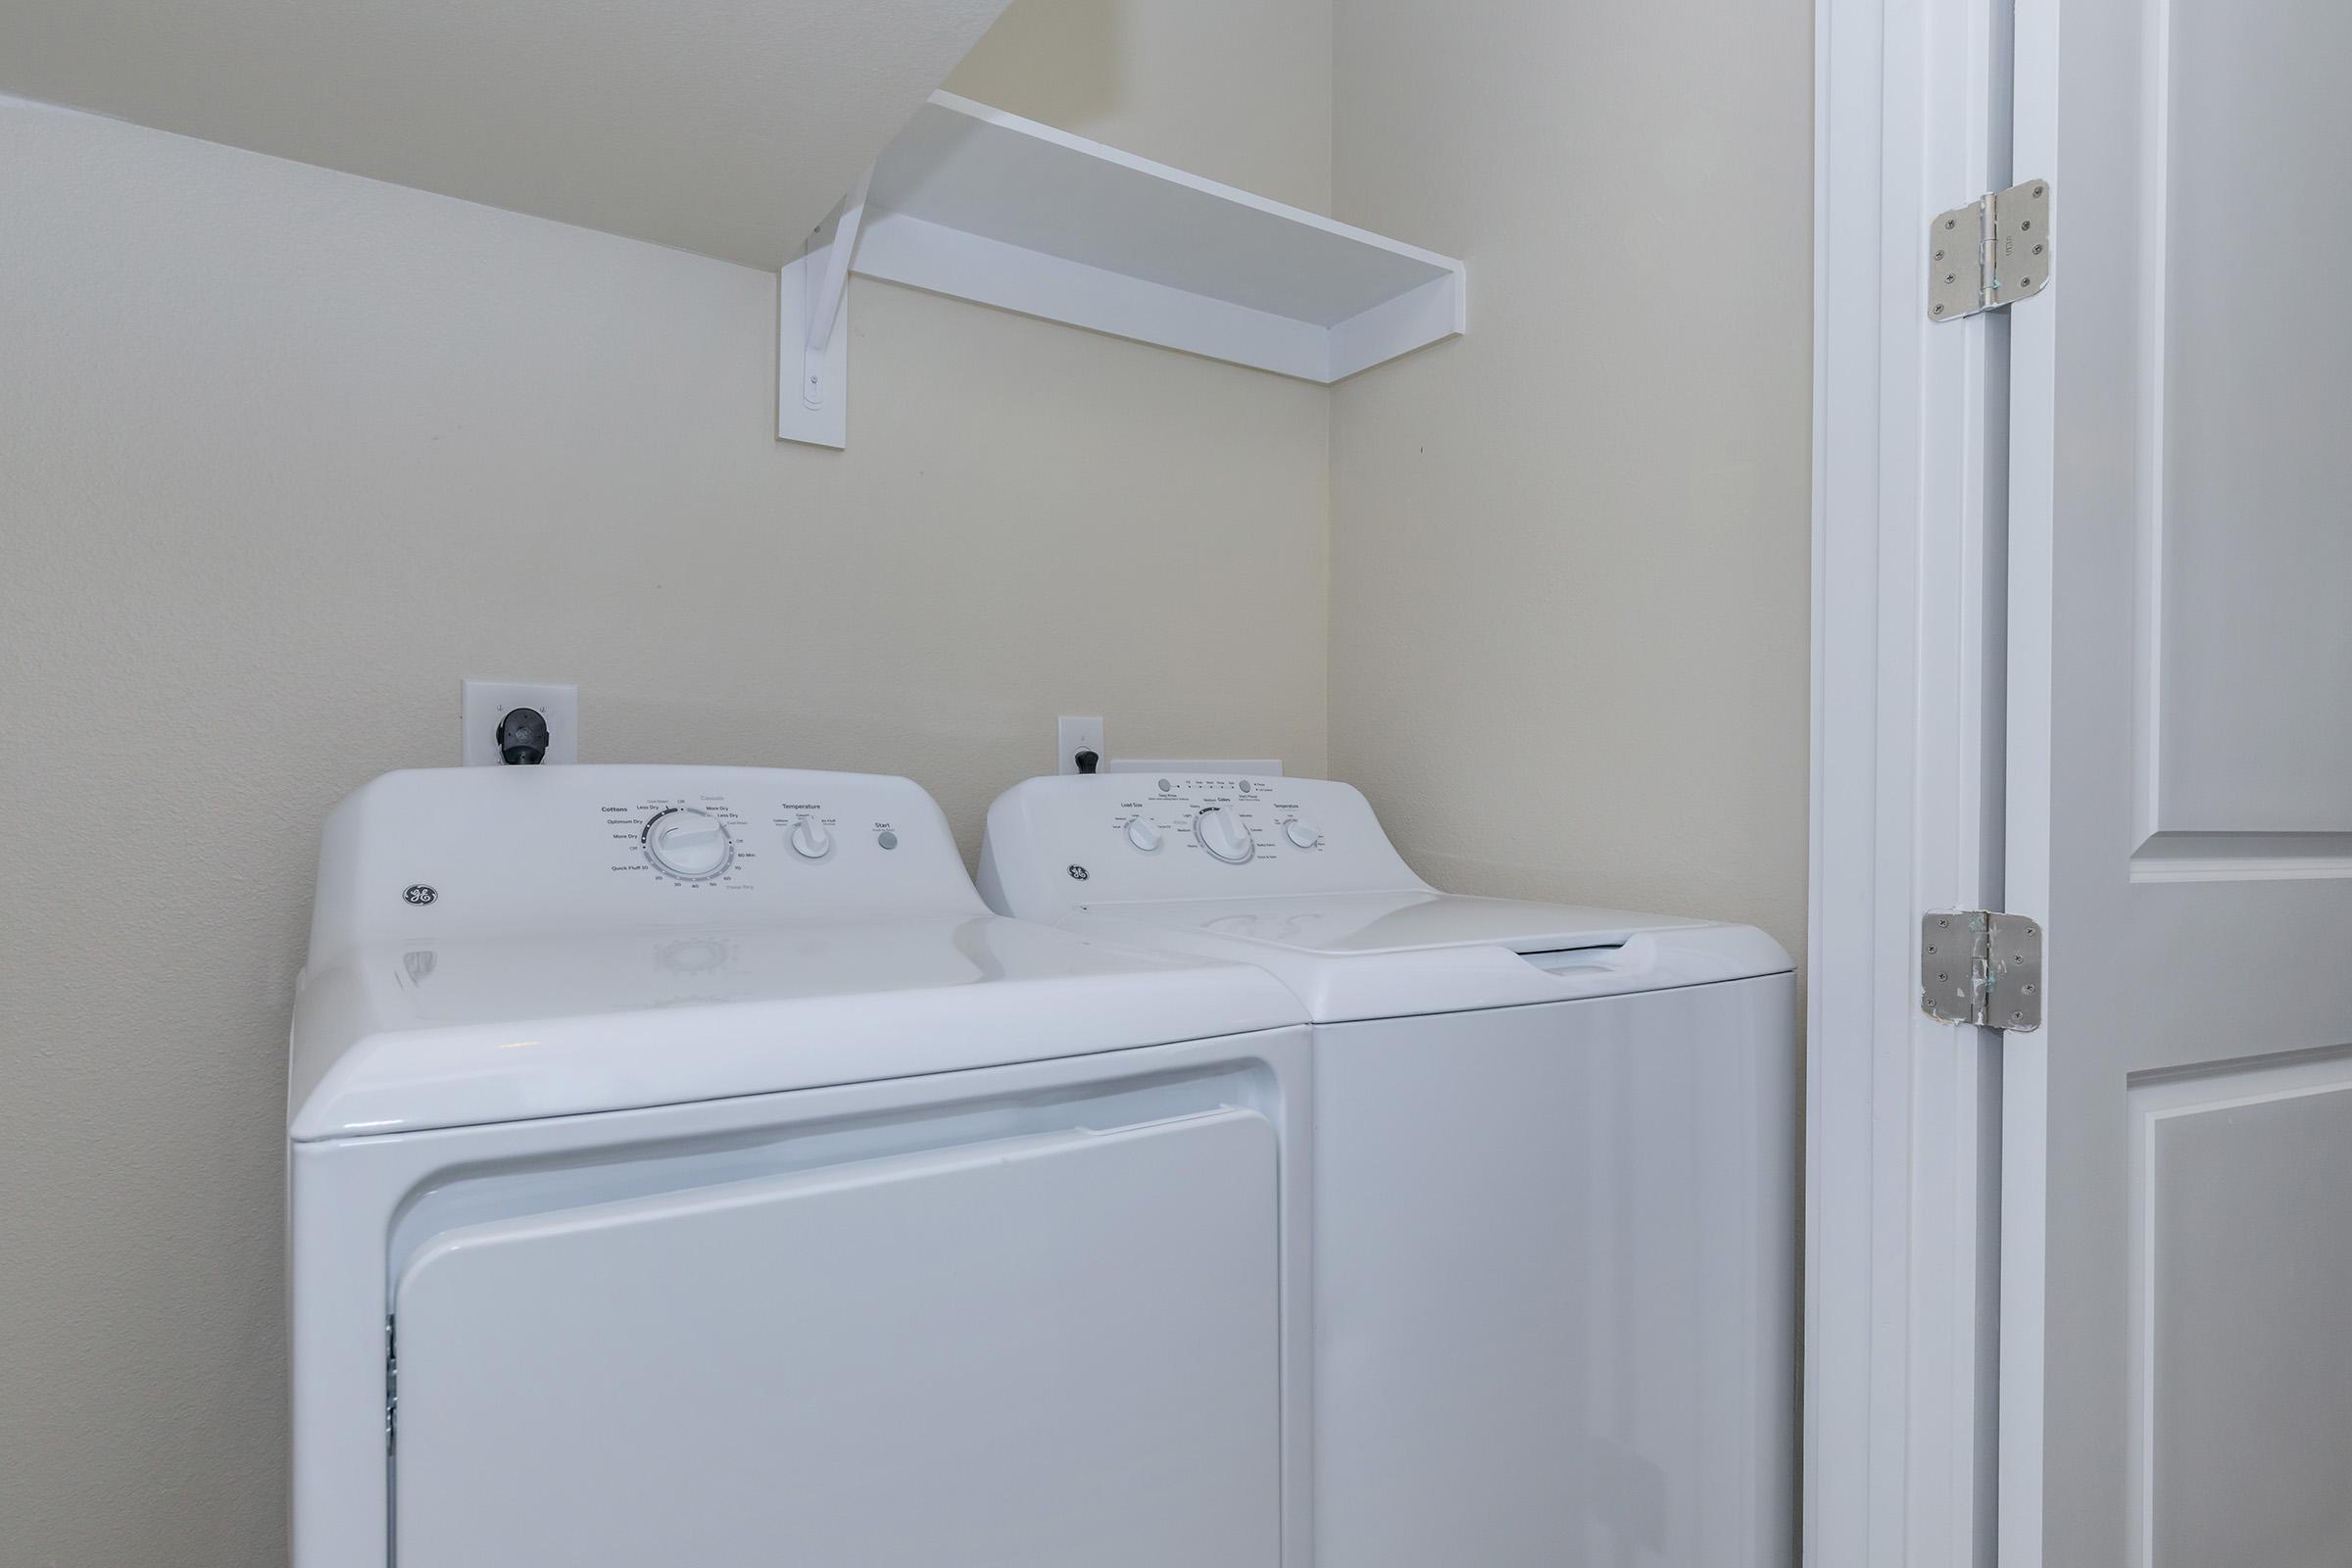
(1555,1175)
(685,1167)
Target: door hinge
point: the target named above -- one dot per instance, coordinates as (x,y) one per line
(391,1387)
(1982,967)
(1995,251)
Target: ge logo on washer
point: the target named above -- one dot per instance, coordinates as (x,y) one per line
(1077,873)
(418,893)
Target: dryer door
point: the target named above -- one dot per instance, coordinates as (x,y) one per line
(1059,1349)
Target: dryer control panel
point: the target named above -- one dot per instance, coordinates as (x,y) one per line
(1076,842)
(468,854)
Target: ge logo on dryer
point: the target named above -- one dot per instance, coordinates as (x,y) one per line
(1077,873)
(420,893)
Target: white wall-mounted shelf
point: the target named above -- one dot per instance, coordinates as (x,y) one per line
(982,205)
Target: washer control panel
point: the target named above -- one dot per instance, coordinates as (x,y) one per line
(1119,836)
(1233,821)
(486,852)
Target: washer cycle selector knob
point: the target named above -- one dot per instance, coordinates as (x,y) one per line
(1222,835)
(1303,833)
(809,840)
(689,843)
(1142,834)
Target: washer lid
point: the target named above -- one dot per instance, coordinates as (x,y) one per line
(1346,925)
(404,1036)
(1296,874)
(1350,955)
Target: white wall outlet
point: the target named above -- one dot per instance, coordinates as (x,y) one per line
(483,704)
(1076,735)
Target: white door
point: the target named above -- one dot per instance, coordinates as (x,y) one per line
(1054,1352)
(2177,1224)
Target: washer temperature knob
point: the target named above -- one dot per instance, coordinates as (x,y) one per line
(1303,833)
(687,843)
(809,840)
(1222,835)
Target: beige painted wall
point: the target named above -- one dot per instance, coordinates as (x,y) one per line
(284,454)
(1570,552)
(1157,76)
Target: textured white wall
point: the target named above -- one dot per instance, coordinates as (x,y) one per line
(1570,552)
(286,452)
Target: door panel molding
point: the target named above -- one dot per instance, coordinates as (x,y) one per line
(2149,650)
(2242,857)
(2170,1102)
(2244,659)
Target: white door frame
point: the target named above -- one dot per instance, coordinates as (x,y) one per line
(1910,503)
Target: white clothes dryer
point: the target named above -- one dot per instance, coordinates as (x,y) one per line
(1555,1227)
(685,1167)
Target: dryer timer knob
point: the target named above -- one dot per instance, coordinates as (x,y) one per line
(689,843)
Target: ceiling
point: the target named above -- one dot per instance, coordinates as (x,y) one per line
(727,128)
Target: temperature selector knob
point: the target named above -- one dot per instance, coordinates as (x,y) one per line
(809,840)
(1222,835)
(1142,834)
(687,843)
(1303,833)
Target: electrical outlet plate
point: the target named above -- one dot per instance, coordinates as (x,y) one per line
(483,703)
(1075,735)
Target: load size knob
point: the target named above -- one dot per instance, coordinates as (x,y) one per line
(1223,835)
(687,843)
